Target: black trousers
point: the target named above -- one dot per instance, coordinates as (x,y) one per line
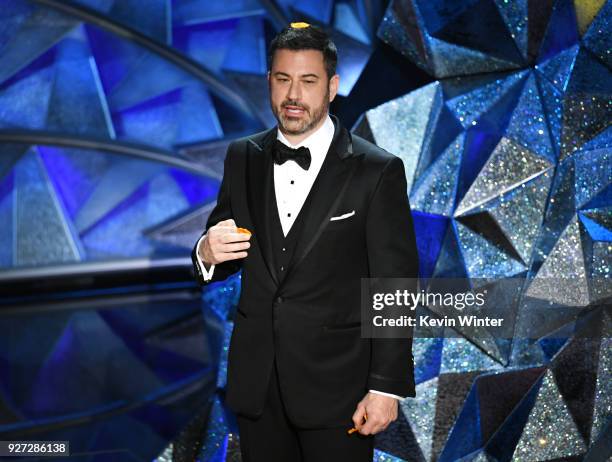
(273,438)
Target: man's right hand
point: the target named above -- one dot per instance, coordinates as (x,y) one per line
(223,242)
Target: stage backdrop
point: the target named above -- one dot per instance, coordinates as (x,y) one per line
(114,119)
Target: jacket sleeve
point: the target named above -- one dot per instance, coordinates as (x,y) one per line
(222,211)
(392,253)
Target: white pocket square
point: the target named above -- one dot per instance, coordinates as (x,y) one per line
(342,217)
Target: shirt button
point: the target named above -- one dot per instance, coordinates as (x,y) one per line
(292,181)
(279,300)
(288,214)
(282,268)
(284,249)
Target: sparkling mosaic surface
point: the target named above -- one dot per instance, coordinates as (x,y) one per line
(193,74)
(550,432)
(526,195)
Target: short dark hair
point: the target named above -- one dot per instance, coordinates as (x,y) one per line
(307,37)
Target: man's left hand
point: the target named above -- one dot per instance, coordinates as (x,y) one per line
(381,410)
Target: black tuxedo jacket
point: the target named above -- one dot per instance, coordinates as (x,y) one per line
(310,320)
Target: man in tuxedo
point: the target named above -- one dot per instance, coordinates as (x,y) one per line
(326,208)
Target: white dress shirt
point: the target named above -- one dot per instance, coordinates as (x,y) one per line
(292,184)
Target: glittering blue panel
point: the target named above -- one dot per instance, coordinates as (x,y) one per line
(515,14)
(150,17)
(151,203)
(6,218)
(437,13)
(215,444)
(601,200)
(430,230)
(352,58)
(197,110)
(207,43)
(588,94)
(221,298)
(528,122)
(593,174)
(478,26)
(27,32)
(222,374)
(158,119)
(24,100)
(447,265)
(347,21)
(501,446)
(552,101)
(249,39)
(484,135)
(148,78)
(111,185)
(196,189)
(562,30)
(77,104)
(41,221)
(114,57)
(73,173)
(442,133)
(557,69)
(598,38)
(551,346)
(427,361)
(595,230)
(465,436)
(471,97)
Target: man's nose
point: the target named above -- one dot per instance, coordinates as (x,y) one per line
(295,92)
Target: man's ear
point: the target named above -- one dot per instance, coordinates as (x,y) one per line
(334,82)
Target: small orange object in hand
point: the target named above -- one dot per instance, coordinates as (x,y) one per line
(244,231)
(353,430)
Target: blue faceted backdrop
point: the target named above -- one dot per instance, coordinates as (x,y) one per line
(115,116)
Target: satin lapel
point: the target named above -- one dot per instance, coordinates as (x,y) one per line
(327,191)
(261,182)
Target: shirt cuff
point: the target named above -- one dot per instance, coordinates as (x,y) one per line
(400,398)
(207,274)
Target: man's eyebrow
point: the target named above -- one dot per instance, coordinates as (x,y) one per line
(302,76)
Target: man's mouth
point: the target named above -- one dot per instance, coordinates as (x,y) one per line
(294,110)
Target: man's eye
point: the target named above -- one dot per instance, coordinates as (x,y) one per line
(309,81)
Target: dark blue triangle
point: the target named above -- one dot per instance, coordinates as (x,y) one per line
(562,31)
(551,346)
(482,138)
(465,437)
(602,199)
(437,139)
(430,231)
(465,27)
(427,365)
(450,262)
(502,444)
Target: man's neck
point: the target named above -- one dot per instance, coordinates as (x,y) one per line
(295,139)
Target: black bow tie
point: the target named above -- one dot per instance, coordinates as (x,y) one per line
(283,153)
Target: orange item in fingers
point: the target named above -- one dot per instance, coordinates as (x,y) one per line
(353,430)
(244,231)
